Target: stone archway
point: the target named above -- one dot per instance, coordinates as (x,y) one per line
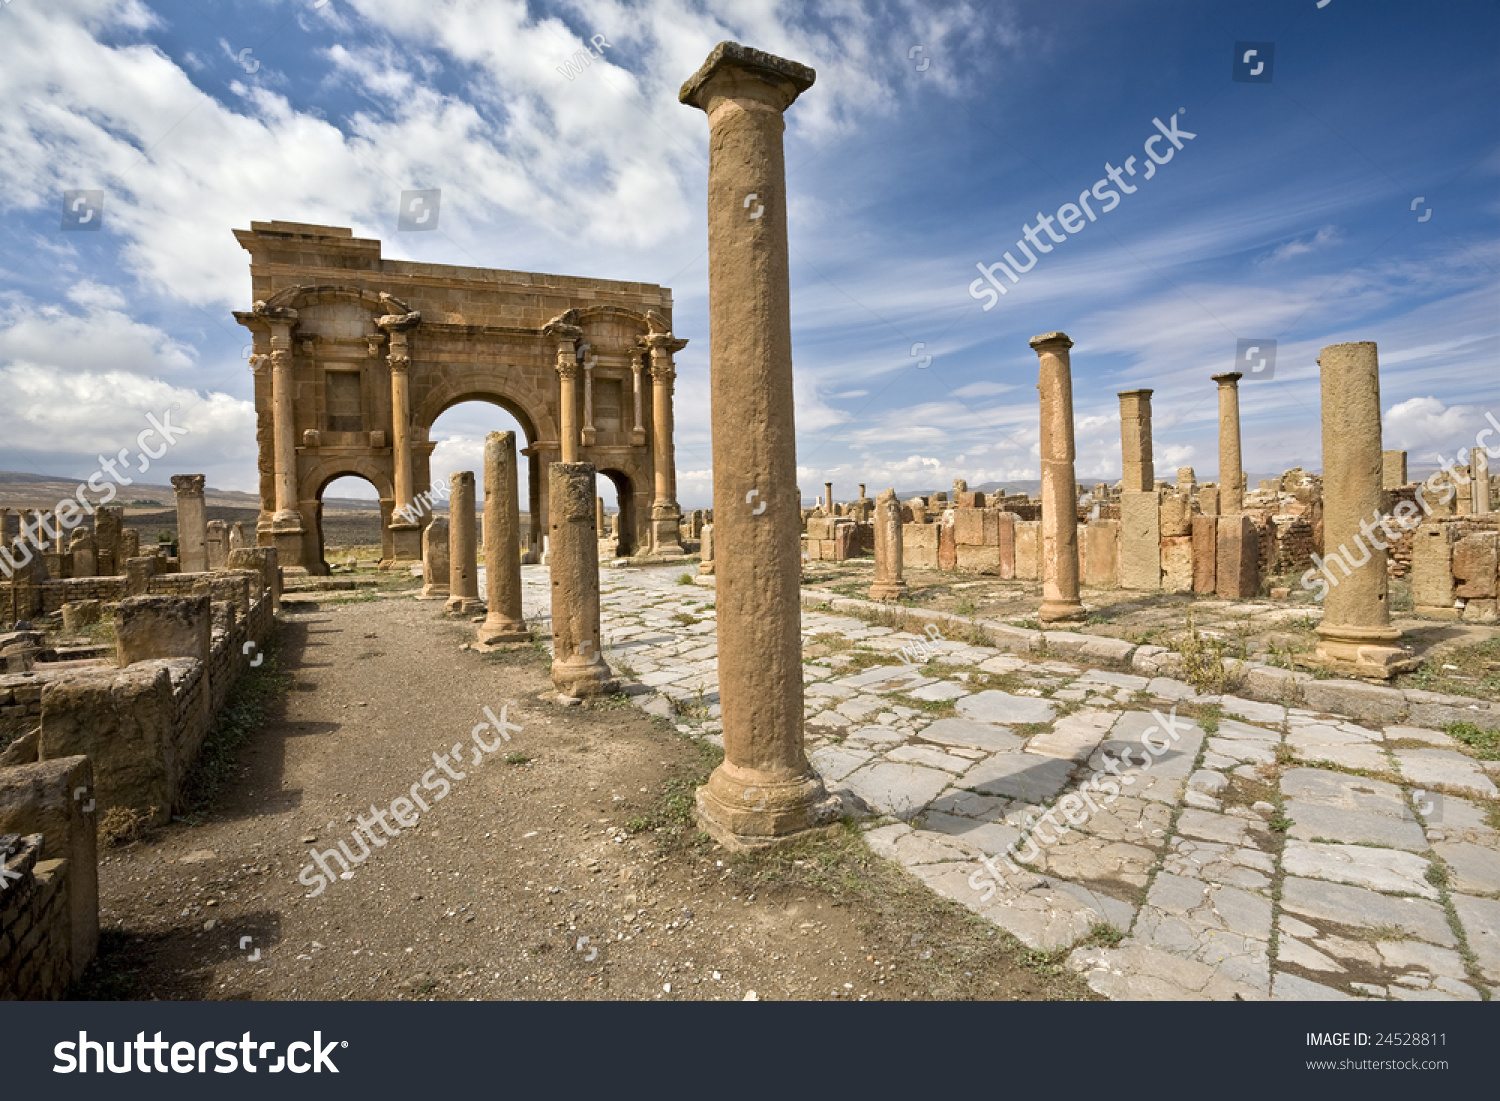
(356,356)
(629,535)
(313,511)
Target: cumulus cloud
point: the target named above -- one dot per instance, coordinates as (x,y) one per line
(1426,427)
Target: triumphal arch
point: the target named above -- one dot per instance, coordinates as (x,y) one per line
(355,356)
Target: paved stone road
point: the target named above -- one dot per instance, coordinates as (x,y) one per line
(1242,849)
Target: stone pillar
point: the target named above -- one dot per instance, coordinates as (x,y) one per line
(504,622)
(589,433)
(435,561)
(706,550)
(665,513)
(600,523)
(463,550)
(1140,501)
(889,583)
(765,789)
(192,523)
(828,497)
(1479,485)
(109,521)
(1356,635)
(567,334)
(638,425)
(130,547)
(1392,469)
(286,530)
(217,544)
(1231,464)
(405,528)
(1059,548)
(578,667)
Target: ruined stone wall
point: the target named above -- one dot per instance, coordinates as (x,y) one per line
(20,706)
(35,963)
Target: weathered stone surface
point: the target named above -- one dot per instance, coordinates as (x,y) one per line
(1349,809)
(1443,767)
(1472,869)
(1073,737)
(1205,553)
(1481,922)
(970,735)
(1387,870)
(148,627)
(435,558)
(1018,776)
(1335,903)
(994,706)
(1140,541)
(1475,565)
(1028,549)
(1370,702)
(1432,567)
(1138,972)
(899,789)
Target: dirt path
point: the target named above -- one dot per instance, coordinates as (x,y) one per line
(524,880)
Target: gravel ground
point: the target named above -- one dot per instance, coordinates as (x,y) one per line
(533,878)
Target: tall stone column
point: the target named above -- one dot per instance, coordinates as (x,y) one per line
(567,336)
(1479,485)
(463,551)
(578,667)
(435,562)
(666,538)
(765,789)
(828,497)
(502,538)
(889,584)
(1356,635)
(638,425)
(192,523)
(286,518)
(1231,463)
(1059,566)
(406,529)
(1140,504)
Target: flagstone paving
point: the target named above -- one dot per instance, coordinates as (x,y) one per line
(1239,849)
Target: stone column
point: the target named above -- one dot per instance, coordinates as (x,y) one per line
(192,523)
(406,529)
(706,550)
(638,426)
(666,538)
(578,667)
(889,583)
(828,497)
(1140,503)
(1356,635)
(1393,469)
(567,335)
(1479,486)
(504,622)
(600,524)
(286,518)
(463,552)
(1059,549)
(589,433)
(765,789)
(1231,464)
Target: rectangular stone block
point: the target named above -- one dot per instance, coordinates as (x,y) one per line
(1177,564)
(976,527)
(919,545)
(1392,469)
(974,559)
(969,499)
(1238,567)
(1100,552)
(1208,500)
(1028,550)
(1432,568)
(1205,553)
(1176,515)
(846,541)
(820,527)
(1005,535)
(1140,541)
(1474,566)
(148,627)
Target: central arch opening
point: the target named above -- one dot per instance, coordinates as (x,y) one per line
(456,442)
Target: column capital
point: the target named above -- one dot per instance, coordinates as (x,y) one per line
(188,485)
(664,343)
(1135,393)
(275,313)
(567,370)
(741,73)
(1229,378)
(399,322)
(281,358)
(398,361)
(1051,342)
(260,363)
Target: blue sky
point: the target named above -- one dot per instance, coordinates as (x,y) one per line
(934,135)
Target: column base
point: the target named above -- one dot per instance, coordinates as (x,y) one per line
(581,679)
(288,544)
(666,539)
(706,569)
(406,544)
(637,437)
(463,605)
(748,817)
(1060,612)
(887,591)
(497,630)
(1365,652)
(432,592)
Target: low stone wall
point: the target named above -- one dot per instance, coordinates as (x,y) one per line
(49,917)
